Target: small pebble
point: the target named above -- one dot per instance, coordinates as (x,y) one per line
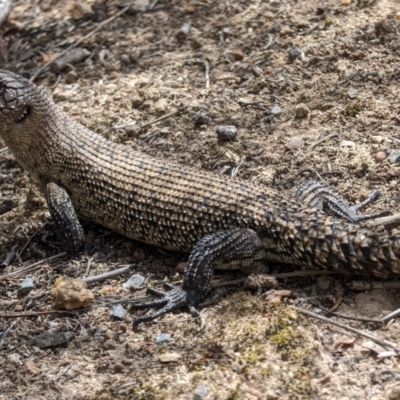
(202,118)
(168,357)
(135,282)
(118,312)
(26,286)
(163,337)
(200,393)
(352,94)
(380,156)
(71,77)
(293,54)
(238,54)
(324,282)
(346,2)
(394,157)
(125,59)
(302,110)
(377,139)
(276,110)
(295,143)
(226,132)
(47,340)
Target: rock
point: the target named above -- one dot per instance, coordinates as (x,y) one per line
(200,393)
(47,340)
(26,286)
(125,59)
(202,118)
(301,111)
(168,357)
(276,110)
(295,143)
(135,282)
(70,294)
(226,132)
(293,54)
(71,77)
(238,54)
(380,156)
(163,337)
(394,157)
(377,139)
(118,312)
(352,94)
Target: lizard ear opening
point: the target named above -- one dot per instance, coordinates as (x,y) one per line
(24,113)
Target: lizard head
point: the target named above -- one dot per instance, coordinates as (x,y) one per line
(16,95)
(22,107)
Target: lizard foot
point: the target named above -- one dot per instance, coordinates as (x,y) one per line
(174,298)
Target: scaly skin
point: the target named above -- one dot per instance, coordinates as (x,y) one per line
(221,222)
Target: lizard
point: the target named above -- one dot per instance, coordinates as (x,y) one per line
(222,222)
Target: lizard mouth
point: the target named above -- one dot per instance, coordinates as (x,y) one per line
(23,115)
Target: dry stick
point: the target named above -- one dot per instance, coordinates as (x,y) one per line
(388,222)
(31,267)
(381,342)
(36,314)
(78,42)
(335,314)
(3,338)
(331,135)
(206,69)
(126,385)
(56,378)
(108,275)
(172,113)
(90,259)
(309,272)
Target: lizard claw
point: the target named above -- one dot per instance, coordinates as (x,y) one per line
(174,298)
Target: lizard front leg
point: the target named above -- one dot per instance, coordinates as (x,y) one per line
(235,249)
(65,218)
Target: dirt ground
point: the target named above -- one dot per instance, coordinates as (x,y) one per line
(312,88)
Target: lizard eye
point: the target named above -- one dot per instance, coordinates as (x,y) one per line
(24,113)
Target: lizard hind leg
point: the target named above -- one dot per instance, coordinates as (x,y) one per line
(316,194)
(233,249)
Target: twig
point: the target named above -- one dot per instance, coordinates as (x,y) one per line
(27,243)
(56,378)
(3,338)
(78,42)
(388,222)
(331,135)
(381,342)
(335,314)
(90,259)
(270,41)
(309,272)
(124,386)
(172,113)
(206,69)
(228,283)
(36,314)
(390,316)
(108,275)
(32,267)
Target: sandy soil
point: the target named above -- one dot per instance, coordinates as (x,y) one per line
(312,87)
